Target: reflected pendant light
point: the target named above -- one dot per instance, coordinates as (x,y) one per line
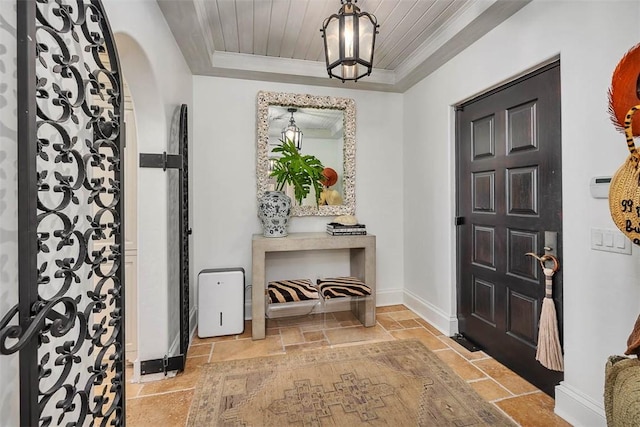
(292,132)
(349,40)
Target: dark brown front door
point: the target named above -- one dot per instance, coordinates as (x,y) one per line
(509,195)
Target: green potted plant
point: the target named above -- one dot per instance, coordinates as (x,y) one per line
(303,173)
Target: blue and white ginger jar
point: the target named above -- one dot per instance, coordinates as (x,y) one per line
(274,210)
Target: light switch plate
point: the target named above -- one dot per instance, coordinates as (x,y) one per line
(610,240)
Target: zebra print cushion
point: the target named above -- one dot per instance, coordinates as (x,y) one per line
(336,287)
(291,290)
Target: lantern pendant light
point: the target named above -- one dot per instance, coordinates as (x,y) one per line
(349,39)
(292,132)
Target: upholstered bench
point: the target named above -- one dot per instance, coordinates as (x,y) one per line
(300,297)
(291,298)
(340,287)
(347,293)
(280,291)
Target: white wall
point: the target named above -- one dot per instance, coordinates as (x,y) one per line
(601,290)
(224,165)
(9,396)
(160,81)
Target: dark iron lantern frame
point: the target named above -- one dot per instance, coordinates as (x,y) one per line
(349,42)
(292,131)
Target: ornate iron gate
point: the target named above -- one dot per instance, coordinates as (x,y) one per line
(179,139)
(185,231)
(68,323)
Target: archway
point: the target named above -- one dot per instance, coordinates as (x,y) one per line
(145,293)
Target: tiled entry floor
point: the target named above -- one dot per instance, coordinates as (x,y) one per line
(167,402)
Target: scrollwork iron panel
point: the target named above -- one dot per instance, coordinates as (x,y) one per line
(185,230)
(70,330)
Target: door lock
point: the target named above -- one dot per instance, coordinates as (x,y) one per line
(551,243)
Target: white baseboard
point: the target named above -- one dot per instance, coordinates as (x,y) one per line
(247,310)
(577,408)
(157,377)
(446,324)
(193,322)
(136,372)
(174,349)
(389,297)
(175,346)
(572,405)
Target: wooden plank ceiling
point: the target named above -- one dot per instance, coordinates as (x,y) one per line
(291,28)
(244,38)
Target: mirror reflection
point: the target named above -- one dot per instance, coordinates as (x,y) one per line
(317,132)
(321,126)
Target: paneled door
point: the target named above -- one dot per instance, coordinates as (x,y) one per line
(509,194)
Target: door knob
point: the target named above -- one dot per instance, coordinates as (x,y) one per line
(543,260)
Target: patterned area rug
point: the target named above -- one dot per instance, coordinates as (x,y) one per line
(398,383)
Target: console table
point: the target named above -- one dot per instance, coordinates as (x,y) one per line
(362,260)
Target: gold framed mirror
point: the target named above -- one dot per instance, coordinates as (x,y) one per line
(328,125)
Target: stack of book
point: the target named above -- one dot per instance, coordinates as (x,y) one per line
(336,229)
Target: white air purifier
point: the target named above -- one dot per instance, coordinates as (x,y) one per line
(220,302)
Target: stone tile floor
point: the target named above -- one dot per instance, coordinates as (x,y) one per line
(167,402)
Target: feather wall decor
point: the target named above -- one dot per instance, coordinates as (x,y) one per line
(625,90)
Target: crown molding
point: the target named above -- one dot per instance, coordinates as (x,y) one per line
(188,23)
